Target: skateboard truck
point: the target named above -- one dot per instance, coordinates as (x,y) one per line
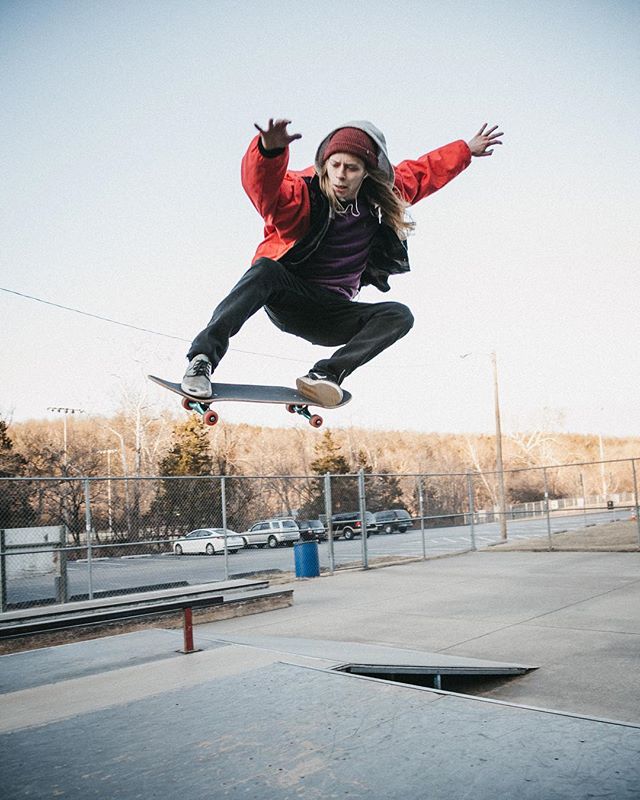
(315,420)
(211,417)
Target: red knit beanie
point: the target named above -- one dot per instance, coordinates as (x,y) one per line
(353,141)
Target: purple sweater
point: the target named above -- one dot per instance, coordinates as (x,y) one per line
(341,258)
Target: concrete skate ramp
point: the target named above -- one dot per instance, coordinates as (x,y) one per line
(376,658)
(246,721)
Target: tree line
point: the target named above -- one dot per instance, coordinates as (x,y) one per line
(258,463)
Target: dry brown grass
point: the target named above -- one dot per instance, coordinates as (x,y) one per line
(619,537)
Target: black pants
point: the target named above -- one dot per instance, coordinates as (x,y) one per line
(318,315)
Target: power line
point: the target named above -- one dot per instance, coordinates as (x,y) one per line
(94,316)
(136,327)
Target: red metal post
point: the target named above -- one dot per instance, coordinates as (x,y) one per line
(188,631)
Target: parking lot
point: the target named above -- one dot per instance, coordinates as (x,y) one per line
(135,572)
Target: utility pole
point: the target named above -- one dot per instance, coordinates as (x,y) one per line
(499,463)
(65,412)
(502,509)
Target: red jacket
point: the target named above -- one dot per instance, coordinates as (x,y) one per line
(281,196)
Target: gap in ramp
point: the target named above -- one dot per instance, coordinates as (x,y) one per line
(457,680)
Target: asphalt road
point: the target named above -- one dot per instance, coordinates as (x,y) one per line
(134,572)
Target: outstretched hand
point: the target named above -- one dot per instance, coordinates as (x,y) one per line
(276,135)
(483,140)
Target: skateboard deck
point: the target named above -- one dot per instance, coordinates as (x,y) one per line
(295,402)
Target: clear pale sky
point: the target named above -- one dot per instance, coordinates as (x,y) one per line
(123,126)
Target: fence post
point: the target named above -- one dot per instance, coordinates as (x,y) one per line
(472,510)
(584,499)
(60,580)
(223,503)
(328,512)
(421,510)
(88,526)
(546,507)
(363,520)
(635,496)
(3,575)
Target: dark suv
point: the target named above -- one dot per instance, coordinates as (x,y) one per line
(348,524)
(396,519)
(312,530)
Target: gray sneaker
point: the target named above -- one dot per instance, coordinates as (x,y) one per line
(197,378)
(321,388)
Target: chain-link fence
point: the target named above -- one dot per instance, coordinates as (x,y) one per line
(71,539)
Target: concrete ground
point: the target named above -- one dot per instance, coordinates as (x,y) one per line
(574,615)
(261,711)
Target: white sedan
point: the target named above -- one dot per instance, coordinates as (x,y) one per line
(208,541)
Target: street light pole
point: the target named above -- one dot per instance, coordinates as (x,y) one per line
(125,473)
(65,412)
(109,505)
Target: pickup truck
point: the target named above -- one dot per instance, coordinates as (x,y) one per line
(347,524)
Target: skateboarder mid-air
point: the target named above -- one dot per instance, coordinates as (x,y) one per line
(328,230)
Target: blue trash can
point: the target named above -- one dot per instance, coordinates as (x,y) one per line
(307,559)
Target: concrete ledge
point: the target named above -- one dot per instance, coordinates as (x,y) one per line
(140,598)
(224,606)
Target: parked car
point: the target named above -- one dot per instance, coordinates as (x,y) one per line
(395,519)
(348,524)
(208,541)
(311,530)
(271,532)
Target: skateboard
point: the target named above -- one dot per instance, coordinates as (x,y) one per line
(295,402)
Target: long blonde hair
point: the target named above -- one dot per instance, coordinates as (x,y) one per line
(392,207)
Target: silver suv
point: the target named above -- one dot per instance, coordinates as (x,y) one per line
(272,532)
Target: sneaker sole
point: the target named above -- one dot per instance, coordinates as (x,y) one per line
(324,394)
